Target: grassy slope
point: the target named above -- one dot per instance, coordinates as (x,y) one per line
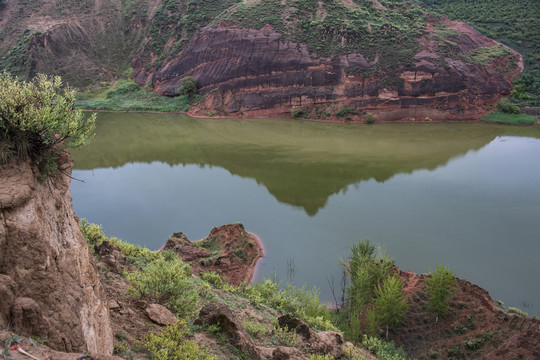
(513,22)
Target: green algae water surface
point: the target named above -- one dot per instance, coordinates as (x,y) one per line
(462,195)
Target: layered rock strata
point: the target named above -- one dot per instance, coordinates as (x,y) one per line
(257,72)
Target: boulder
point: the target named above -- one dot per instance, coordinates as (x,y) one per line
(160,314)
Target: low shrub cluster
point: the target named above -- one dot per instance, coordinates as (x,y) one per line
(300,302)
(173,344)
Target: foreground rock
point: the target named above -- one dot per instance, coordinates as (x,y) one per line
(229,250)
(48,281)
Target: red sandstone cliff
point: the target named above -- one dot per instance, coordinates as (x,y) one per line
(254,72)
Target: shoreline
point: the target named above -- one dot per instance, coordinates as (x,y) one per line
(287,117)
(253,267)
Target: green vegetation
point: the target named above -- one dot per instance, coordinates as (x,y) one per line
(374,296)
(383,349)
(125,95)
(302,303)
(38,121)
(166,279)
(514,23)
(331,28)
(390,303)
(189,86)
(299,113)
(440,287)
(369,119)
(173,344)
(515,119)
(347,111)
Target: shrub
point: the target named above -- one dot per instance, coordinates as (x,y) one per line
(166,280)
(172,344)
(299,113)
(189,86)
(255,329)
(440,286)
(347,111)
(507,108)
(369,119)
(213,278)
(283,336)
(384,350)
(38,121)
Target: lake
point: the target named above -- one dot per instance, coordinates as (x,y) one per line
(465,195)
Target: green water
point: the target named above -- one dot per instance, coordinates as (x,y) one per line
(463,195)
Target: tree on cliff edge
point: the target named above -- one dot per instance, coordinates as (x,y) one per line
(38,120)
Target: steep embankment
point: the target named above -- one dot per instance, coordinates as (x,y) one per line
(49,284)
(475,327)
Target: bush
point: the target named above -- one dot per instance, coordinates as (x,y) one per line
(166,280)
(507,108)
(440,287)
(213,278)
(189,86)
(299,113)
(38,121)
(369,119)
(347,111)
(383,349)
(172,344)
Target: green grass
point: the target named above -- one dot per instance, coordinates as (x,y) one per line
(514,119)
(125,95)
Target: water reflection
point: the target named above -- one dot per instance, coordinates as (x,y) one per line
(300,163)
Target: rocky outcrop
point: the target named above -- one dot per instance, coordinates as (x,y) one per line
(234,254)
(256,72)
(48,281)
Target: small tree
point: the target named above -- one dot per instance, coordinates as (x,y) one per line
(38,121)
(440,287)
(369,119)
(189,86)
(390,302)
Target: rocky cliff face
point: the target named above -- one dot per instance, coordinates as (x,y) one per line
(48,280)
(246,71)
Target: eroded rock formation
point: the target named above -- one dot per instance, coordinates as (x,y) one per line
(256,72)
(48,281)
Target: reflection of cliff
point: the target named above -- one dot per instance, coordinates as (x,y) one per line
(300,163)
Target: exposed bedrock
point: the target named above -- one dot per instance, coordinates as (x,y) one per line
(257,72)
(49,286)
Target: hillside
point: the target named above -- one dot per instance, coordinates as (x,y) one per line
(515,23)
(318,59)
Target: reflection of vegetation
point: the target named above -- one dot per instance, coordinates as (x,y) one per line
(301,163)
